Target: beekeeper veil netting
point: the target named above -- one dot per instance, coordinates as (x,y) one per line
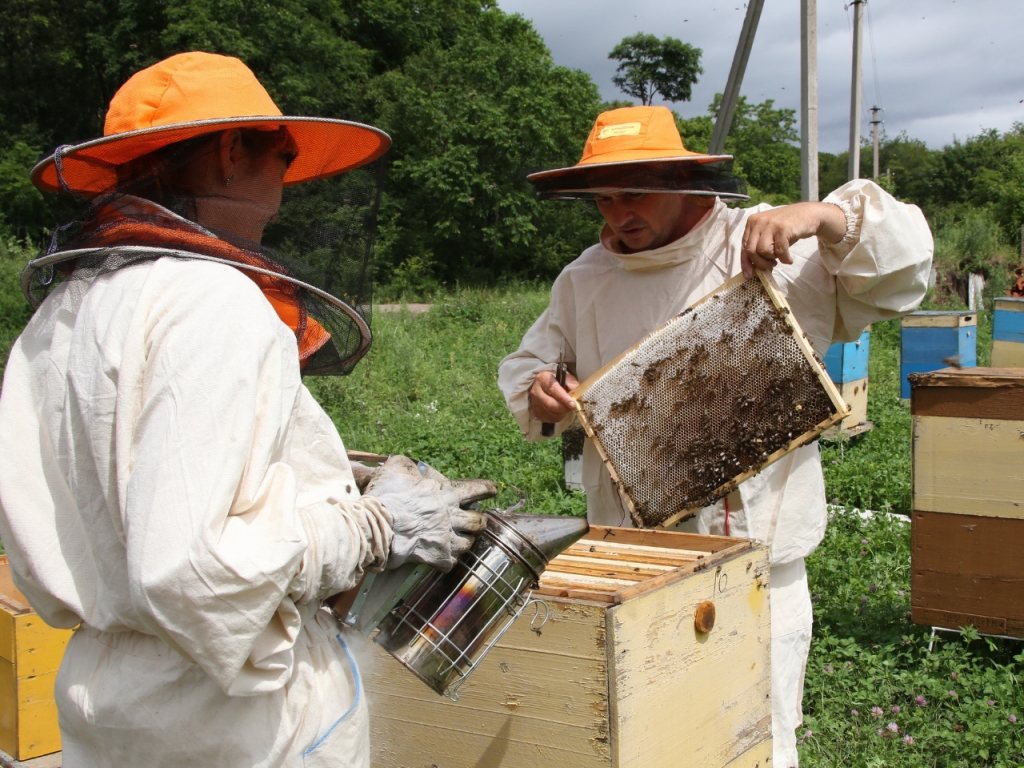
(308,247)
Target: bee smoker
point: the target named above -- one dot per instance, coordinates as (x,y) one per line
(441,625)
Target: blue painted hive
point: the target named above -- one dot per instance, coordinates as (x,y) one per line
(847,366)
(1008,333)
(933,340)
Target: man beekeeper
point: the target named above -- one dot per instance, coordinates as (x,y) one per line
(668,240)
(168,485)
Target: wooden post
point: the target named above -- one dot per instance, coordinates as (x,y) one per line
(875,122)
(809,100)
(853,166)
(732,89)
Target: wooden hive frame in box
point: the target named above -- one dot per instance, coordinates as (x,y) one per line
(621,675)
(709,399)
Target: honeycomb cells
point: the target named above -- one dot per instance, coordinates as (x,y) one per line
(705,399)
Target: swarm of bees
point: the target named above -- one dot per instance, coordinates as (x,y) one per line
(715,395)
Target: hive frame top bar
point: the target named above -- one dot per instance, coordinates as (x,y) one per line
(838,407)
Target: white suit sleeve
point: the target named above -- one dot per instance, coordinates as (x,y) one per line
(219,552)
(881,267)
(539,351)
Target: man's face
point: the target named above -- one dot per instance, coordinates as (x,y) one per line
(644,221)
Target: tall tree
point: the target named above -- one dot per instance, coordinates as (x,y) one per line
(469,122)
(763,141)
(649,66)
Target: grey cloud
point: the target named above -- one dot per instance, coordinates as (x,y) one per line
(954,72)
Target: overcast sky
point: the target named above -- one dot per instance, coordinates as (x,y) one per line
(939,68)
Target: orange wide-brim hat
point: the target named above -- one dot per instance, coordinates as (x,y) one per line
(192,94)
(640,149)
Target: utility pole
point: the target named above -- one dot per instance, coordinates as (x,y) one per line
(853,169)
(874,133)
(732,88)
(809,100)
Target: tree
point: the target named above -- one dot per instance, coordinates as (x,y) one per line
(649,66)
(469,121)
(469,94)
(763,141)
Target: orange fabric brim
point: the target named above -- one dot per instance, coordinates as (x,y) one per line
(628,157)
(326,147)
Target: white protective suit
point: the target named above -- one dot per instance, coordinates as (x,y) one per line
(170,485)
(604,302)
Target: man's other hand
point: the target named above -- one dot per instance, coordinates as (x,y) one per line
(550,402)
(769,234)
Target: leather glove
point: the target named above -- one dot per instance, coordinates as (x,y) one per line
(363,473)
(430,525)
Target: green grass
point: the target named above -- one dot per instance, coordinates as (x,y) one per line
(428,390)
(866,653)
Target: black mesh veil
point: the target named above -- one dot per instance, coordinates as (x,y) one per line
(584,182)
(309,247)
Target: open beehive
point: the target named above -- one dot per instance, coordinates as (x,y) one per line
(706,401)
(620,676)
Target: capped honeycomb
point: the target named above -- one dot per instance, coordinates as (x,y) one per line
(707,400)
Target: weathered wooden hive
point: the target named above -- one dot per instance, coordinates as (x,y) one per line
(30,655)
(967,533)
(1008,333)
(929,339)
(619,677)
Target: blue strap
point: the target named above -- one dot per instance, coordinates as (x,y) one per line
(355,703)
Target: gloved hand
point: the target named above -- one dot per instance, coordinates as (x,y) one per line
(430,525)
(363,473)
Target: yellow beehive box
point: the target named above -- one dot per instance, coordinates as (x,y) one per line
(967,533)
(30,654)
(619,677)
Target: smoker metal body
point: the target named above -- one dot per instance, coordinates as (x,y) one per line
(441,625)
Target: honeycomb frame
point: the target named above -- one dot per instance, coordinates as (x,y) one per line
(707,400)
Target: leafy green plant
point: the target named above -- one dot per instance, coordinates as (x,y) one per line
(427,389)
(649,67)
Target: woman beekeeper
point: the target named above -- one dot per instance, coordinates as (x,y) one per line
(168,485)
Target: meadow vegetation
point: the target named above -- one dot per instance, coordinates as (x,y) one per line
(474,101)
(875,695)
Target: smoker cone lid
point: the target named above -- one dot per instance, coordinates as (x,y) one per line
(537,539)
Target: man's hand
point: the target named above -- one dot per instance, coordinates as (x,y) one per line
(548,401)
(769,234)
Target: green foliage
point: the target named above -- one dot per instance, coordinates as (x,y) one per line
(14,309)
(761,139)
(649,66)
(470,95)
(22,206)
(969,240)
(427,390)
(469,122)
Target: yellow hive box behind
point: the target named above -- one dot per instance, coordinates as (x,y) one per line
(30,655)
